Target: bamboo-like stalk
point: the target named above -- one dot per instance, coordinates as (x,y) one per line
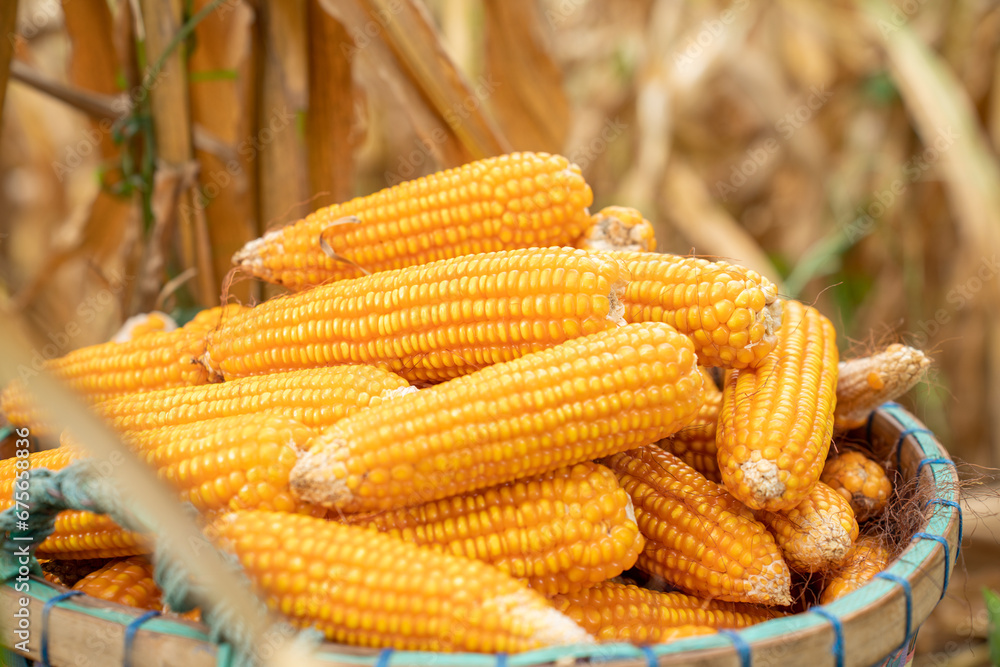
(331,109)
(8,20)
(280,150)
(172,126)
(434,133)
(410,33)
(223,94)
(529,100)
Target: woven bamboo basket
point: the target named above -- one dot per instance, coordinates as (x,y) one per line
(875,625)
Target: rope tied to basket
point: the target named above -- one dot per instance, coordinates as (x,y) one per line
(49,493)
(80,486)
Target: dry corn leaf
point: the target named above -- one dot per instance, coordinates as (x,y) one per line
(409,31)
(331,110)
(529,101)
(435,135)
(223,87)
(281,151)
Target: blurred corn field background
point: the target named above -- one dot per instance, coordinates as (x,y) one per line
(847,150)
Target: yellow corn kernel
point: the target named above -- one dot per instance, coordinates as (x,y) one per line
(861,481)
(776,422)
(618,228)
(866,558)
(695,443)
(102,372)
(698,537)
(589,397)
(77,535)
(623,612)
(316,397)
(559,532)
(128,581)
(865,383)
(430,322)
(231,463)
(817,533)
(363,588)
(731,313)
(521,200)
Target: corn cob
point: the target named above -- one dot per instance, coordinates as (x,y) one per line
(316,397)
(867,557)
(210,318)
(730,313)
(861,481)
(363,588)
(698,537)
(817,533)
(231,463)
(695,443)
(560,531)
(156,360)
(521,200)
(777,420)
(141,325)
(865,383)
(430,322)
(586,398)
(618,228)
(128,581)
(77,535)
(622,612)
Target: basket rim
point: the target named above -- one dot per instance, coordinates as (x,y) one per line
(924,565)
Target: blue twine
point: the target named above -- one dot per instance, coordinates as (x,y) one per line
(741,645)
(130,632)
(871,418)
(908,592)
(384,657)
(501,659)
(958,510)
(902,437)
(932,461)
(838,634)
(651,659)
(46,610)
(943,542)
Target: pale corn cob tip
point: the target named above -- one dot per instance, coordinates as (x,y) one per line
(772,585)
(552,627)
(817,533)
(144,323)
(865,383)
(618,228)
(861,481)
